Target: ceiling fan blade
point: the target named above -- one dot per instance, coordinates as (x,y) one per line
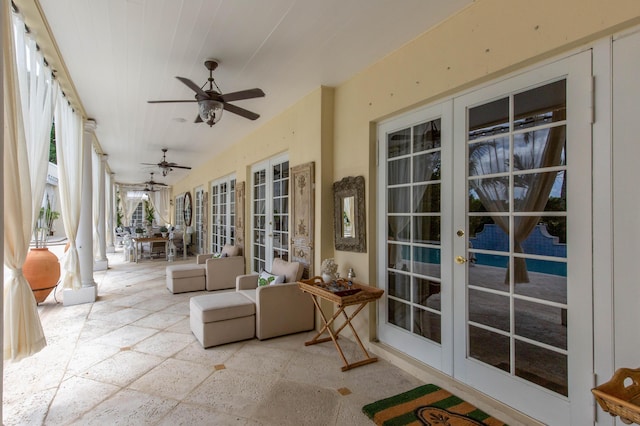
(242,94)
(149,164)
(166,102)
(194,87)
(181,167)
(241,111)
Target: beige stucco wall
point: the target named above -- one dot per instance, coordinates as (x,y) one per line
(305,132)
(487,40)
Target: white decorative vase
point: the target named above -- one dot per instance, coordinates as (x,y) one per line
(327,278)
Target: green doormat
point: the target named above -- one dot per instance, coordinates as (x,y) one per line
(427,405)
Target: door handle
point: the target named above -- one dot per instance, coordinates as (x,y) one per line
(460,260)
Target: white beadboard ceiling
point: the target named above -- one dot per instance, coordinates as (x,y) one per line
(122,53)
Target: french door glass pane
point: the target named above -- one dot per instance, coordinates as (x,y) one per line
(489,347)
(280,218)
(427,324)
(222,214)
(542,366)
(517,225)
(413,223)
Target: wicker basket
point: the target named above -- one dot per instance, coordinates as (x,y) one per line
(619,399)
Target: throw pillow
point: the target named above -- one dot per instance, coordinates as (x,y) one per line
(267,278)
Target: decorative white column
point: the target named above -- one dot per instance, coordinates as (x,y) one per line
(111,211)
(84,239)
(101,263)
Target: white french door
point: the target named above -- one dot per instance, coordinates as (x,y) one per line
(487,239)
(179,212)
(223,213)
(198,234)
(417,177)
(269,212)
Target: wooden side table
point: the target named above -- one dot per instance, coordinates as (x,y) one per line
(138,242)
(356,294)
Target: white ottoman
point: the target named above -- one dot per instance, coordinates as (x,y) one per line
(222,318)
(183,278)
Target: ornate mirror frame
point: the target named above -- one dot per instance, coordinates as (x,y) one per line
(349,214)
(187,211)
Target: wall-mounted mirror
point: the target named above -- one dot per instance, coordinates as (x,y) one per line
(349,214)
(187,209)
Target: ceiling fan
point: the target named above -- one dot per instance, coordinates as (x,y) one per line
(165,165)
(211,102)
(153,183)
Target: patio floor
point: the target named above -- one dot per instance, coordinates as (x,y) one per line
(130,358)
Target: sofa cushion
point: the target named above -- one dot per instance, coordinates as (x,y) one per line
(292,271)
(185,271)
(221,306)
(267,278)
(249,294)
(228,250)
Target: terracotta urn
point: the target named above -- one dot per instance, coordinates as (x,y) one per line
(42,271)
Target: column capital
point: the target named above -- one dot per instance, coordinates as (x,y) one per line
(90,125)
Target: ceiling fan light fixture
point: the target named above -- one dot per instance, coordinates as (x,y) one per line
(210,111)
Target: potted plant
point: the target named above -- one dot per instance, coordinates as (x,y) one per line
(163,231)
(41,267)
(139,231)
(149,213)
(119,217)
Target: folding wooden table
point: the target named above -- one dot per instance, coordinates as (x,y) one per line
(342,296)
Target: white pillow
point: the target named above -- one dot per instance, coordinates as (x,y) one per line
(267,278)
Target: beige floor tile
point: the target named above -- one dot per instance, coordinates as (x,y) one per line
(128,407)
(173,378)
(122,368)
(30,409)
(128,335)
(290,403)
(67,405)
(211,356)
(254,357)
(181,326)
(232,391)
(197,415)
(164,344)
(159,321)
(88,354)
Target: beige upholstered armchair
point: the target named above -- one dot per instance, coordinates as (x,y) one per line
(280,308)
(221,272)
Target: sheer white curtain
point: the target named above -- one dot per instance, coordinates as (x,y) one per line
(69,150)
(132,205)
(38,95)
(160,203)
(23,334)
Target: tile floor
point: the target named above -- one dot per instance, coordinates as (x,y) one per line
(130,358)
